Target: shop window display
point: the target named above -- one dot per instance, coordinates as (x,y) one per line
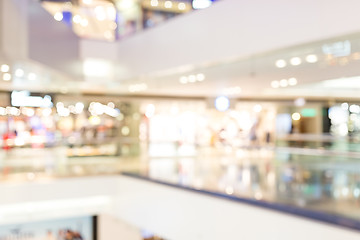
(92,131)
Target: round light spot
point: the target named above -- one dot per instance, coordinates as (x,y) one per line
(125,130)
(19,72)
(32,76)
(183,80)
(222,103)
(7,77)
(200,77)
(181,6)
(5,68)
(281,63)
(296,116)
(154,3)
(311,58)
(283,83)
(168,4)
(229,190)
(275,84)
(292,81)
(77,19)
(58,16)
(295,61)
(257,108)
(192,78)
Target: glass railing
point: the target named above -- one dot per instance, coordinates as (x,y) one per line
(325,187)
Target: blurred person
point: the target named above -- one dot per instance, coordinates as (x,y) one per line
(253,133)
(77,236)
(69,235)
(268,137)
(60,235)
(50,236)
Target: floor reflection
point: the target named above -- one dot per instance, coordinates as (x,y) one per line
(323,182)
(320,182)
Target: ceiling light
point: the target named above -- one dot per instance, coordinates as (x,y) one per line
(111,104)
(296,116)
(60,105)
(275,84)
(222,103)
(32,76)
(192,78)
(280,63)
(168,4)
(200,77)
(5,68)
(7,76)
(229,190)
(79,107)
(88,2)
(150,111)
(2,111)
(201,4)
(283,83)
(354,108)
(257,108)
(154,3)
(295,61)
(181,6)
(58,16)
(77,19)
(345,106)
(183,80)
(125,130)
(311,58)
(292,81)
(19,72)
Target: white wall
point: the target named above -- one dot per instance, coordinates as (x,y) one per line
(166,211)
(52,43)
(14,34)
(177,214)
(55,198)
(112,228)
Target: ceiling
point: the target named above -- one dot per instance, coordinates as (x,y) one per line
(254,76)
(329,77)
(238,75)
